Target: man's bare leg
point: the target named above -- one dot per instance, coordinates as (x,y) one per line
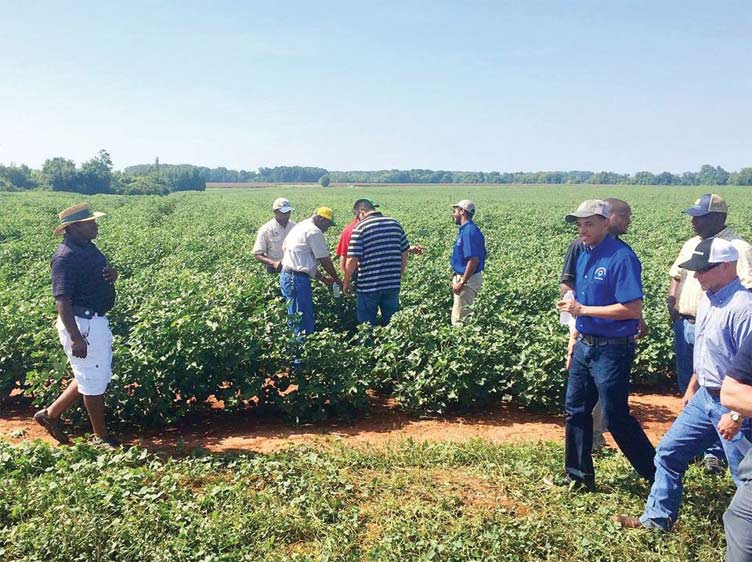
(95,408)
(64,401)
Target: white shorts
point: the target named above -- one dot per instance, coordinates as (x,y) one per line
(92,373)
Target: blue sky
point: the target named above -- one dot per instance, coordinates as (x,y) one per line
(508,86)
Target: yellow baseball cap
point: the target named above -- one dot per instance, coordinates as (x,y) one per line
(325,212)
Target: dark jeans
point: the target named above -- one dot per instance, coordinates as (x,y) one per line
(737,521)
(370,303)
(602,373)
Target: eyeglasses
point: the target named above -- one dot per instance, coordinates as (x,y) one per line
(706,269)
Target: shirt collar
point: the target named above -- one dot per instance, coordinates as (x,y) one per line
(600,245)
(719,297)
(464,225)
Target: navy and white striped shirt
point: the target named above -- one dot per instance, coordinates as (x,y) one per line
(378,242)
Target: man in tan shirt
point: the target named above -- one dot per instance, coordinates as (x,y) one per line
(708,214)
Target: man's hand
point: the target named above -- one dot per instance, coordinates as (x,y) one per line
(457,286)
(110,275)
(79,347)
(727,427)
(688,396)
(642,329)
(673,314)
(570,351)
(277,265)
(347,288)
(417,250)
(571,306)
(328,281)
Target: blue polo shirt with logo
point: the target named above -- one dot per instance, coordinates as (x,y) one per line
(470,243)
(608,273)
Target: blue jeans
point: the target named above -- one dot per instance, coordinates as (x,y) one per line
(370,303)
(692,432)
(684,348)
(737,521)
(602,373)
(297,290)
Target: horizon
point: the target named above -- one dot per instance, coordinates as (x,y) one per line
(622,87)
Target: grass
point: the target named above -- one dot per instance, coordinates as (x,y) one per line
(412,501)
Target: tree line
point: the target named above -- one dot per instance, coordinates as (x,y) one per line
(97,176)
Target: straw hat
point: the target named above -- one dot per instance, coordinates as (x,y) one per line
(77,213)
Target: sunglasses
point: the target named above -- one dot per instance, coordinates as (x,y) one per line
(706,269)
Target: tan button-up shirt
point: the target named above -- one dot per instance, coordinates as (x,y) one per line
(689,291)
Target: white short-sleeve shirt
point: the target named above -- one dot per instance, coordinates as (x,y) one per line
(269,239)
(303,247)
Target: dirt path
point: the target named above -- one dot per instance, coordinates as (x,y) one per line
(247,432)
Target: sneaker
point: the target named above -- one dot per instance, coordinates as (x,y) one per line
(51,425)
(714,465)
(108,442)
(572,484)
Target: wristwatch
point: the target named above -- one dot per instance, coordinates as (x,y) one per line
(736,417)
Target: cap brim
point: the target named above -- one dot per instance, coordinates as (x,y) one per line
(696,264)
(696,212)
(285,209)
(574,216)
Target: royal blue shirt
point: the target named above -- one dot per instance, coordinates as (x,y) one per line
(77,273)
(741,368)
(609,273)
(724,322)
(470,243)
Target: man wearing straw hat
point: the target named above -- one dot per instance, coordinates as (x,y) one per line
(83,287)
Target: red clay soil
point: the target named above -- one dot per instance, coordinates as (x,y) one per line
(248,432)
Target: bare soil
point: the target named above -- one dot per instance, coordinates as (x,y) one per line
(218,432)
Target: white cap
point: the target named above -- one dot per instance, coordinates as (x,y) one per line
(465,204)
(710,252)
(589,208)
(282,205)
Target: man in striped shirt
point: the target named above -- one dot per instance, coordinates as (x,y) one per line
(378,251)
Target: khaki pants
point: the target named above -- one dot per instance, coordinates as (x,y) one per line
(462,302)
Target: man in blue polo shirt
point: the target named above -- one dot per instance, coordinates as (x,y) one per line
(378,251)
(607,306)
(468,260)
(736,394)
(724,322)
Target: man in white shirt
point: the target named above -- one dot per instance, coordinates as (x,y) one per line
(269,238)
(708,214)
(304,249)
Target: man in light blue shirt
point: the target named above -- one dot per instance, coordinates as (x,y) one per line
(724,320)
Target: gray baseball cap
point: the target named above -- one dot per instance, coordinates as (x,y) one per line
(589,208)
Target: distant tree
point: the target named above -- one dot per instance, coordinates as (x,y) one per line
(644,178)
(142,185)
(710,175)
(666,178)
(95,175)
(60,174)
(184,179)
(742,177)
(324,181)
(19,177)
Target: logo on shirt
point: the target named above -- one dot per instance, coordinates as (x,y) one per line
(600,274)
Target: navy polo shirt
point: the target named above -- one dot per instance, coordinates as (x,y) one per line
(607,274)
(470,243)
(741,368)
(77,273)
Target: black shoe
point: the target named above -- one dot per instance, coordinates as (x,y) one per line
(51,425)
(572,484)
(714,465)
(108,442)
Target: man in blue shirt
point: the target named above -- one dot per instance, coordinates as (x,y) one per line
(724,322)
(607,306)
(468,260)
(736,394)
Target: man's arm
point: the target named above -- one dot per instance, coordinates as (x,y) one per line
(631,310)
(351,266)
(326,263)
(403,265)
(737,396)
(472,265)
(343,263)
(673,289)
(65,311)
(692,387)
(274,264)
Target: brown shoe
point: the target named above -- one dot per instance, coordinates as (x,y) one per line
(628,522)
(51,425)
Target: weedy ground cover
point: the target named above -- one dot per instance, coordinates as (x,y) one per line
(197,316)
(412,501)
